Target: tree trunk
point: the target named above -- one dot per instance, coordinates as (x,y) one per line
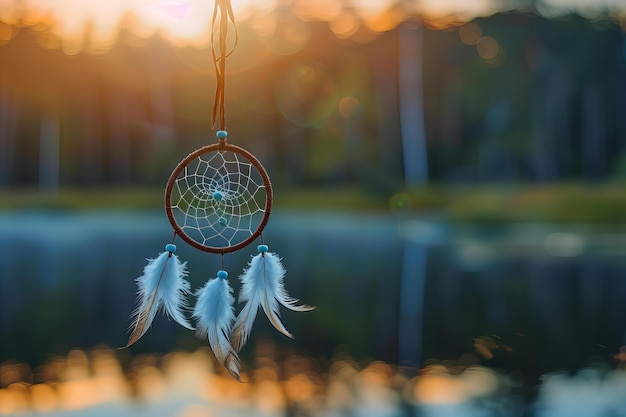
(49,153)
(411,105)
(9,119)
(119,143)
(593,148)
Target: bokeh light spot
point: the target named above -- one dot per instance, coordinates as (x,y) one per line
(480,381)
(470,33)
(290,36)
(344,25)
(348,107)
(263,25)
(474,255)
(306,95)
(400,203)
(564,244)
(385,21)
(487,47)
(306,74)
(323,10)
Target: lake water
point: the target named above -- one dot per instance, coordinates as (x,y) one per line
(523,299)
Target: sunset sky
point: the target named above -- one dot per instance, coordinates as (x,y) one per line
(188,19)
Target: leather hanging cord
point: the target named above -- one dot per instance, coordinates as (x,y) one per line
(224,9)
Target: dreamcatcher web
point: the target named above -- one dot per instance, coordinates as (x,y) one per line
(219,199)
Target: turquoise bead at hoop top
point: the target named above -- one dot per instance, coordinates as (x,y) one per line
(222,274)
(262,248)
(170,247)
(221,134)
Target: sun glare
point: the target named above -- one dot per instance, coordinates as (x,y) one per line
(95,24)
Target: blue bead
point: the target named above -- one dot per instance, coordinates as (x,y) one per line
(223,221)
(217,196)
(170,247)
(262,248)
(221,134)
(222,274)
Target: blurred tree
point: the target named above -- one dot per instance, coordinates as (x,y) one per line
(49,153)
(9,119)
(411,56)
(510,97)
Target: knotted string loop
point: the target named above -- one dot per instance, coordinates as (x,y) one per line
(224,10)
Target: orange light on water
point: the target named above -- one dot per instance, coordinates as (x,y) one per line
(438,385)
(300,388)
(86,382)
(199,387)
(150,383)
(377,374)
(14,398)
(440,389)
(43,398)
(269,397)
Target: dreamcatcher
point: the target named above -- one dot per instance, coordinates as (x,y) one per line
(218,199)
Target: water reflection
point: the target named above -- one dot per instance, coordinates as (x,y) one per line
(188,384)
(458,302)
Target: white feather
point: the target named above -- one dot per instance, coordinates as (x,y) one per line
(263,286)
(162,285)
(215,314)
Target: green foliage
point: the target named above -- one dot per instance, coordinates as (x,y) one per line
(81,199)
(559,203)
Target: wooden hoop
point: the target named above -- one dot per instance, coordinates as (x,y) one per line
(219,147)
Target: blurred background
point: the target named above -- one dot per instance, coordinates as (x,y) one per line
(448,180)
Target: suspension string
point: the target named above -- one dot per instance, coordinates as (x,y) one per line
(262,243)
(226,15)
